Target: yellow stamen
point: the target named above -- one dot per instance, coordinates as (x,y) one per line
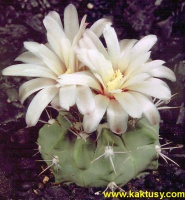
(114,83)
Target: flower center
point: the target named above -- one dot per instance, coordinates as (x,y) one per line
(115,81)
(68,71)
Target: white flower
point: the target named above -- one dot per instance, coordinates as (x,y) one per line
(47,62)
(127,79)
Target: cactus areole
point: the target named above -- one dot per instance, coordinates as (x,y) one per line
(96,161)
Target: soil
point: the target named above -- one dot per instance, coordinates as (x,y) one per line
(21,20)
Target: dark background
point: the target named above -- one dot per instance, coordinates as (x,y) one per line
(21,20)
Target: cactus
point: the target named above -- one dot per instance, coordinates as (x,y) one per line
(96,161)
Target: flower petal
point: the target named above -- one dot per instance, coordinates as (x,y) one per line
(163,72)
(123,62)
(91,122)
(84,100)
(126,56)
(28,57)
(129,104)
(54,34)
(94,42)
(99,26)
(80,31)
(126,45)
(117,117)
(134,80)
(67,96)
(73,62)
(55,103)
(80,78)
(32,47)
(143,45)
(55,45)
(112,45)
(74,65)
(66,49)
(48,57)
(96,62)
(51,24)
(71,23)
(153,87)
(146,67)
(137,63)
(32,86)
(87,43)
(38,104)
(30,70)
(56,17)
(51,60)
(149,109)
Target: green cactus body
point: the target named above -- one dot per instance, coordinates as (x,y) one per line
(95,162)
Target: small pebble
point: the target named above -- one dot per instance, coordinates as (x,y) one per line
(40,186)
(90,6)
(45,179)
(26,163)
(22,136)
(27,186)
(56,192)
